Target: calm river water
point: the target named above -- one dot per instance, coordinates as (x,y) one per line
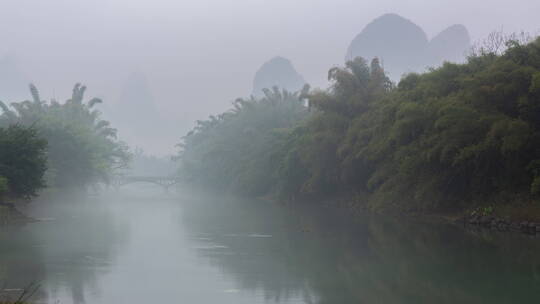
(138,247)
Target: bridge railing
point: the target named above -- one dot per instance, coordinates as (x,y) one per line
(163,181)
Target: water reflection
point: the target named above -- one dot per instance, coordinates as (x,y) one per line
(20,260)
(135,248)
(67,250)
(332,258)
(250,243)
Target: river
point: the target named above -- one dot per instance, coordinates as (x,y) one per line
(143,246)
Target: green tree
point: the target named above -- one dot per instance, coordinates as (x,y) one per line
(440,140)
(236,150)
(22,161)
(83,148)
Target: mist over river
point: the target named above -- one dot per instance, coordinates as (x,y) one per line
(141,245)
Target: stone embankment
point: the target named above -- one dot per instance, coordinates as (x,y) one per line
(501,224)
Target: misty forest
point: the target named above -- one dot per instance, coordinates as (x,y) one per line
(404,168)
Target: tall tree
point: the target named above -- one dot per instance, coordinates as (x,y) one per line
(83,148)
(22,161)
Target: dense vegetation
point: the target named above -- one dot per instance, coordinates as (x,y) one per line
(237,149)
(444,139)
(22,162)
(82,149)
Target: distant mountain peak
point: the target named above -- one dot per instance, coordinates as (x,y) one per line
(449,45)
(397,41)
(278,71)
(404,47)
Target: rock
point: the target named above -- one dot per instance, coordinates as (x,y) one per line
(404,47)
(277,72)
(398,42)
(449,45)
(460,220)
(523,224)
(537,229)
(485,220)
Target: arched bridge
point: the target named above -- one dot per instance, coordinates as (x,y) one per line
(163,181)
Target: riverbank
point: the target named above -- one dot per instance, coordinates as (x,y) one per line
(10,215)
(517,216)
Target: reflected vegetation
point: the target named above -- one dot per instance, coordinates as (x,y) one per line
(328,257)
(266,201)
(72,244)
(217,249)
(21,262)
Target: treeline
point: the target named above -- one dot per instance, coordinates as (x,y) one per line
(443,139)
(238,150)
(62,145)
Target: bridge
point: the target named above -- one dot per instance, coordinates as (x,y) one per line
(163,181)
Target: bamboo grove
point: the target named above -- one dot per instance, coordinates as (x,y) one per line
(440,140)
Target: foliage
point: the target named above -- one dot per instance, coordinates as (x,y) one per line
(82,148)
(22,161)
(439,140)
(483,211)
(3,186)
(445,137)
(237,149)
(322,148)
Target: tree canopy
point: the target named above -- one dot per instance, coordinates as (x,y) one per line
(235,150)
(438,140)
(22,161)
(82,147)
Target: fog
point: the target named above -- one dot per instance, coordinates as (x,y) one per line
(198,56)
(269,151)
(142,245)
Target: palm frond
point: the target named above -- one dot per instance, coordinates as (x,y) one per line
(35,93)
(94,101)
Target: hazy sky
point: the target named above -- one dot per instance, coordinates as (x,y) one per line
(199,55)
